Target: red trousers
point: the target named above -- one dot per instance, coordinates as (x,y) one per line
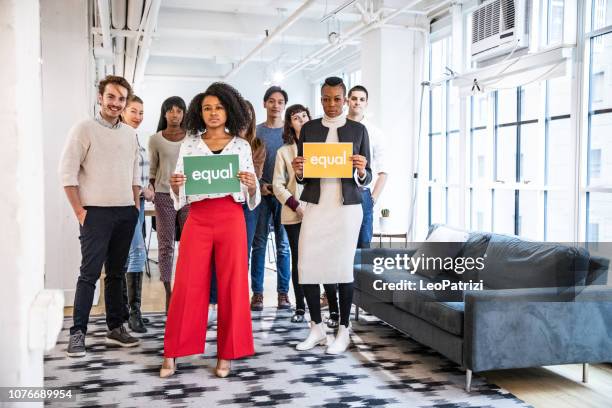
(214,227)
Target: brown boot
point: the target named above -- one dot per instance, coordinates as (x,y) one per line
(168,288)
(283,301)
(257,302)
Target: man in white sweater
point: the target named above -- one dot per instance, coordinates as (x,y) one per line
(100,174)
(357,104)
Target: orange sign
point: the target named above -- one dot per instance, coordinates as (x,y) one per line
(328,160)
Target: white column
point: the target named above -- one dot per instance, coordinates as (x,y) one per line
(22,200)
(68,85)
(391,69)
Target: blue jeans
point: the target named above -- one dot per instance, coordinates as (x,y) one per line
(138,255)
(366,231)
(250,217)
(270,208)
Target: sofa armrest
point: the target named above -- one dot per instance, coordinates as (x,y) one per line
(517,328)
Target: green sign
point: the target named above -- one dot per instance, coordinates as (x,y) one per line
(211,174)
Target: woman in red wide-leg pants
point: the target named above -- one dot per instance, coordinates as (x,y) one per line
(215,228)
(212,224)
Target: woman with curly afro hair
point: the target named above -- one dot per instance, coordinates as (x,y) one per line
(215,121)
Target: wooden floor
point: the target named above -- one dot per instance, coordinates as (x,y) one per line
(545,387)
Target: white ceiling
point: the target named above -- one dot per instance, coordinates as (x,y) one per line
(202,38)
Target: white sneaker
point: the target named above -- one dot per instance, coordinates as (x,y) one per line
(342,341)
(316,336)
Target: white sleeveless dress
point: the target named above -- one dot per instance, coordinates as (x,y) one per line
(330,229)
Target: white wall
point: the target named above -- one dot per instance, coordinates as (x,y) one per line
(391,64)
(67,85)
(21,197)
(249,82)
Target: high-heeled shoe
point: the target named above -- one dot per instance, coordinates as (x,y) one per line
(223,372)
(167,372)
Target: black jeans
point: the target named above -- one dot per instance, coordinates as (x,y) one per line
(293,234)
(105,238)
(313,293)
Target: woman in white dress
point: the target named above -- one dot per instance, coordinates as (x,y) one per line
(332,217)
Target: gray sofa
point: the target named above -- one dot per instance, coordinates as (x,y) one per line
(542,304)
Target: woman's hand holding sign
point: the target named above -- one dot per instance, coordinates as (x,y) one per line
(249,180)
(359,162)
(298,166)
(177,180)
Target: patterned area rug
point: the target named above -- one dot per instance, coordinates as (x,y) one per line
(383,368)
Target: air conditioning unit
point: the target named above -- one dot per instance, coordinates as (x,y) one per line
(499,27)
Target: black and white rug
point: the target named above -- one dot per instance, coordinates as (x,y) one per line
(383,368)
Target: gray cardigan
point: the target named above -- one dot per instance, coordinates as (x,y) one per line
(352,132)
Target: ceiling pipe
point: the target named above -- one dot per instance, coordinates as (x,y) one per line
(131,47)
(182,78)
(118,13)
(118,33)
(337,10)
(134,14)
(266,41)
(145,47)
(356,31)
(106,52)
(118,18)
(119,56)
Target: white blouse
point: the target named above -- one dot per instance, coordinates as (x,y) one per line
(193,145)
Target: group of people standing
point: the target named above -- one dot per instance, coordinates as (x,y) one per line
(318,223)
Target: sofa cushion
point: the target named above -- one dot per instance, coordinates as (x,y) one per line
(511,262)
(475,247)
(442,242)
(447,316)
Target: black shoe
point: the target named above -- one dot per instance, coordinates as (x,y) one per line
(76,345)
(333,320)
(121,337)
(136,324)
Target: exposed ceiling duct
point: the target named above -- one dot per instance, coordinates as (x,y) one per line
(122,37)
(278,31)
(355,32)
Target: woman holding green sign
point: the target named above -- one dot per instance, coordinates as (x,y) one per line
(215,227)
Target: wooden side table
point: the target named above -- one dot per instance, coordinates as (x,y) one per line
(390,235)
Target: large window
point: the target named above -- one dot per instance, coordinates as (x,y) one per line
(538,160)
(519,148)
(443,142)
(598,191)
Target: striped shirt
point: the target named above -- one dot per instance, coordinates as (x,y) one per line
(143,162)
(106,123)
